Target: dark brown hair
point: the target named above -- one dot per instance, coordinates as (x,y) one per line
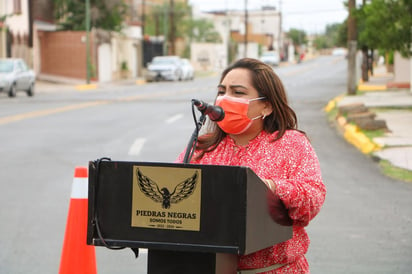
(268,85)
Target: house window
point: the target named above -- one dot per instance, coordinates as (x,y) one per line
(17,6)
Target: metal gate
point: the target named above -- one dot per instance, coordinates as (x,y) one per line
(150,50)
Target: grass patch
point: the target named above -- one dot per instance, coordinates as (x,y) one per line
(388,109)
(395,172)
(373,133)
(332,114)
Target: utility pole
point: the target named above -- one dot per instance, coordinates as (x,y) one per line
(410,68)
(352,47)
(228,26)
(143,16)
(280,44)
(172,28)
(165,31)
(365,57)
(88,65)
(246,32)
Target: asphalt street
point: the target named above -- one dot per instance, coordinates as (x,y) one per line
(363,227)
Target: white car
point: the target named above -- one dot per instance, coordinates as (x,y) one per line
(164,68)
(187,70)
(339,52)
(15,76)
(271,58)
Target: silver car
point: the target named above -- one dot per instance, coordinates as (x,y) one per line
(271,58)
(164,68)
(15,75)
(188,70)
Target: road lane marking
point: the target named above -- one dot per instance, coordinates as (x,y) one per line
(45,112)
(137,146)
(174,118)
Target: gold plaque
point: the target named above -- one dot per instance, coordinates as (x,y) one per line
(166,198)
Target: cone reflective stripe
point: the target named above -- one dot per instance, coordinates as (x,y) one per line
(80,186)
(78,257)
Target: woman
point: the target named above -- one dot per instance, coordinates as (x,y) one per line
(260,131)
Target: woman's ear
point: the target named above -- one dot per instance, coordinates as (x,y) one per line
(267,110)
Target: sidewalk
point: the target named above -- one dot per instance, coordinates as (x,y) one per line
(392,107)
(48,83)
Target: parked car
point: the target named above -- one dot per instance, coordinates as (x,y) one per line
(339,52)
(164,68)
(15,75)
(188,70)
(270,57)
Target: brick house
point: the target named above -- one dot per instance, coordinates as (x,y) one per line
(29,32)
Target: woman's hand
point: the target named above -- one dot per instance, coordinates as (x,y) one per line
(277,209)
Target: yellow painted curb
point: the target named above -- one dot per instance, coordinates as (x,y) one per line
(371,87)
(86,87)
(140,82)
(341,121)
(354,136)
(332,103)
(380,75)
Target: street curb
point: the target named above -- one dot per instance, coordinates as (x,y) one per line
(352,133)
(368,87)
(86,87)
(372,87)
(140,82)
(333,103)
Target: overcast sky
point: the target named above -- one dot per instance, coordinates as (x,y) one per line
(309,15)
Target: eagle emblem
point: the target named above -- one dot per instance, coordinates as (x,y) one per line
(151,189)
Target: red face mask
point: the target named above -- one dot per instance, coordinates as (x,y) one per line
(236,120)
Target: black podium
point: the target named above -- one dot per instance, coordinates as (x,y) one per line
(192,218)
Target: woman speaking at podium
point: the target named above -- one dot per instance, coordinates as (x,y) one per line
(260,131)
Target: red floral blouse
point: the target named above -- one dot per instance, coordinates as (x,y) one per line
(291,163)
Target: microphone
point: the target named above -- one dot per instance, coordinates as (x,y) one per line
(215,113)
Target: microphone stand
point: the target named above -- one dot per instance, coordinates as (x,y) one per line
(191,146)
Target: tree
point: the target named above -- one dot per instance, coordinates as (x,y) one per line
(299,41)
(342,36)
(386,25)
(203,30)
(331,38)
(104,14)
(298,37)
(194,30)
(321,42)
(197,30)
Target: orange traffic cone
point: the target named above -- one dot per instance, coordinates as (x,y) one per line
(78,257)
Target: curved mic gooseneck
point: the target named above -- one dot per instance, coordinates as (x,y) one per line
(215,113)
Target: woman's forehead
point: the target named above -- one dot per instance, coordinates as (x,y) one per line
(238,76)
